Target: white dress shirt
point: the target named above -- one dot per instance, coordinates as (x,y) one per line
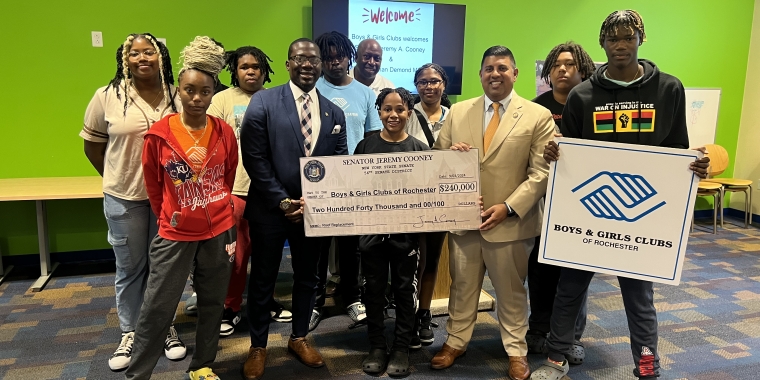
(316,120)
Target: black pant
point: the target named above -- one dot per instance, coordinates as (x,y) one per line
(638,299)
(542,288)
(348,263)
(403,271)
(267,241)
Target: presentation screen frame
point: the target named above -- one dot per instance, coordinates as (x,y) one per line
(448,32)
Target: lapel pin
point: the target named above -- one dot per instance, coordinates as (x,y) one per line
(514,115)
(326,114)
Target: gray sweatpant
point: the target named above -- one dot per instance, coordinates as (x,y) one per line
(638,300)
(170,262)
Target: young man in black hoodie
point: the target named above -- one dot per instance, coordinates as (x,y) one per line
(565,67)
(618,104)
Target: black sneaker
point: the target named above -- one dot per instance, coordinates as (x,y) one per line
(426,335)
(279,313)
(230,319)
(314,320)
(415,343)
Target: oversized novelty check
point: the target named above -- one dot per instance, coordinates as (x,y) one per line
(391,193)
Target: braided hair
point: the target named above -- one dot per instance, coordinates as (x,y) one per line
(626,19)
(344,48)
(405,95)
(232,63)
(204,55)
(444,77)
(583,61)
(123,77)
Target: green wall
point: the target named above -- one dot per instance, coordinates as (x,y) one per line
(53,71)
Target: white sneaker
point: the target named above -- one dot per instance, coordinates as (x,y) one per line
(123,354)
(357,311)
(174,349)
(230,319)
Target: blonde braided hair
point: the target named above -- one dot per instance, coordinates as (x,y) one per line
(205,55)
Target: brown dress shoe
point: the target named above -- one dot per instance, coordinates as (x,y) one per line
(305,352)
(445,357)
(519,368)
(253,368)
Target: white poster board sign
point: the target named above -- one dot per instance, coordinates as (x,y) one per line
(619,209)
(702,106)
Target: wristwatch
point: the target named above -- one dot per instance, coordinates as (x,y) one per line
(510,212)
(285,204)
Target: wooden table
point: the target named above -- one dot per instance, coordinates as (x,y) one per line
(442,289)
(41,190)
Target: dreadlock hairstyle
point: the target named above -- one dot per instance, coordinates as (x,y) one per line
(123,77)
(204,55)
(583,61)
(232,63)
(622,19)
(444,77)
(343,46)
(405,95)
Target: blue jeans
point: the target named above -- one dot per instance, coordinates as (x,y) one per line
(131,227)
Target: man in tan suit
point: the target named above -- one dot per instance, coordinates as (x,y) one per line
(510,134)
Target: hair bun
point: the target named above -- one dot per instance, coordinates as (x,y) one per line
(203,54)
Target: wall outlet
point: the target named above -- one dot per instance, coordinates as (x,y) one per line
(97,39)
(163,40)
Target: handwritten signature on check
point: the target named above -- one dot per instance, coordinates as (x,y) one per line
(436,219)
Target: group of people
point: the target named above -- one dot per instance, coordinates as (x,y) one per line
(198,181)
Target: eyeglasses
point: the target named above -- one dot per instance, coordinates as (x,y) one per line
(146,53)
(330,60)
(300,60)
(432,82)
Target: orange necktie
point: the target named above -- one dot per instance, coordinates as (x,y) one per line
(493,125)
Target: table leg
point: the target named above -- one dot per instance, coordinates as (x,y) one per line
(42,236)
(4,272)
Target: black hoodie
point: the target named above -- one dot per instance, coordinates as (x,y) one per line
(594,105)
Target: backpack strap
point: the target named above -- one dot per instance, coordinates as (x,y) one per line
(425,127)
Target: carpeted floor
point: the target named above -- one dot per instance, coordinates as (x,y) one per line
(709,327)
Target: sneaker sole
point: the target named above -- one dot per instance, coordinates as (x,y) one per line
(415,347)
(226,333)
(118,369)
(177,358)
(283,320)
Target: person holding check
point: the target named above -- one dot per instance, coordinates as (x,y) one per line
(510,134)
(281,125)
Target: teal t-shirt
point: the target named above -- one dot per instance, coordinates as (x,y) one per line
(358,104)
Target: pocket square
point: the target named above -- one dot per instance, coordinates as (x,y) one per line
(336,130)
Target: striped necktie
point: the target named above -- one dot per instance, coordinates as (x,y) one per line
(306,123)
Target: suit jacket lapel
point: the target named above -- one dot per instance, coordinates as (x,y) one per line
(325,129)
(507,124)
(475,119)
(293,114)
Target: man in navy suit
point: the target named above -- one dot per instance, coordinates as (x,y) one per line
(280,126)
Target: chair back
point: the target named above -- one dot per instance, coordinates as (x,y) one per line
(718,159)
